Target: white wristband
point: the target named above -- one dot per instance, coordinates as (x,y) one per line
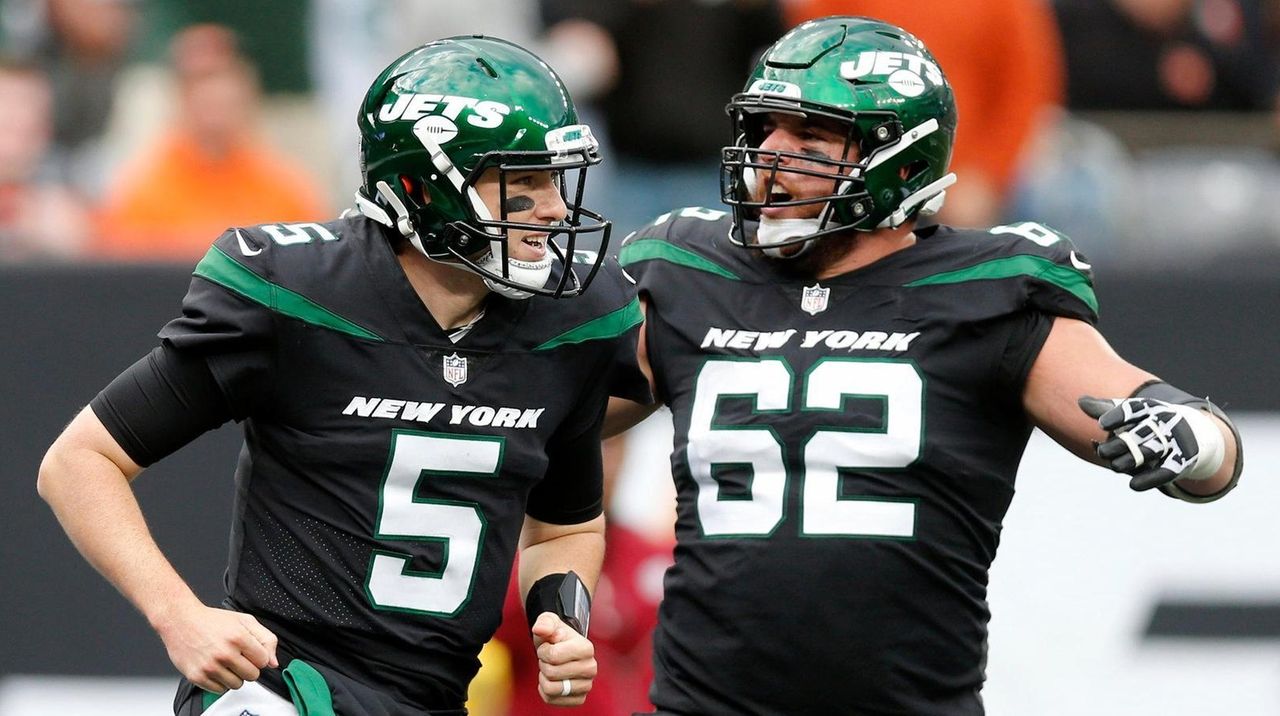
(1212,448)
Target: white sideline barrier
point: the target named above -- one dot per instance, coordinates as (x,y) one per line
(86,696)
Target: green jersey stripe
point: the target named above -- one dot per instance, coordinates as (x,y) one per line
(225,271)
(647,249)
(1068,279)
(610,325)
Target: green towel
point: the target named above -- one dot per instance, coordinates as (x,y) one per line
(309,690)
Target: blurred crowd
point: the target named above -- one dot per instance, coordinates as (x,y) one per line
(1131,125)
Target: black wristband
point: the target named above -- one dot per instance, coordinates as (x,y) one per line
(548,595)
(542,596)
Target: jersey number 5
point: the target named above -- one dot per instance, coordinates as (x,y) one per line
(825,512)
(458,526)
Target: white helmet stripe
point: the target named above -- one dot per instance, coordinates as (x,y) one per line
(445,166)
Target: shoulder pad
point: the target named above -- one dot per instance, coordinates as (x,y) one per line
(607,310)
(1065,274)
(1033,238)
(693,238)
(1039,266)
(256,247)
(300,270)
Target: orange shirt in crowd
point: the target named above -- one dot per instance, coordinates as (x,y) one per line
(1004,60)
(173,203)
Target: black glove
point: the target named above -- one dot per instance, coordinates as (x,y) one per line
(1156,442)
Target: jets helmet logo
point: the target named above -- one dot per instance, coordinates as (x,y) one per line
(485,114)
(909,75)
(437,129)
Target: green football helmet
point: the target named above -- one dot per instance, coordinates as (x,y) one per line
(441,115)
(881,86)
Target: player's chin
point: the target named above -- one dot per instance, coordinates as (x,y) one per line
(789,251)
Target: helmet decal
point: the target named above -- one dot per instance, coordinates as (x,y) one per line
(441,130)
(894,64)
(413,107)
(786,89)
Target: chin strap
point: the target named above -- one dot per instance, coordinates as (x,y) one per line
(778,231)
(400,222)
(372,210)
(526,273)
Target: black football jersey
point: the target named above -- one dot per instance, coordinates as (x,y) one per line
(387,470)
(845,451)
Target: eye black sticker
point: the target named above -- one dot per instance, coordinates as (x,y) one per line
(517,204)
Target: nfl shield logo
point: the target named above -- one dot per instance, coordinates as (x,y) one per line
(455,369)
(813,300)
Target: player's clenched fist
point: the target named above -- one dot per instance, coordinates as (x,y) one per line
(218,649)
(566,661)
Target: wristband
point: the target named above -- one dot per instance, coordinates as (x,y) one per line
(1160,390)
(562,594)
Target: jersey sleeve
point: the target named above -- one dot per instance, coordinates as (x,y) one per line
(160,403)
(1040,275)
(1055,277)
(637,253)
(226,319)
(572,491)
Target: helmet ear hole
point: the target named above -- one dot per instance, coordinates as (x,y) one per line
(407,183)
(912,170)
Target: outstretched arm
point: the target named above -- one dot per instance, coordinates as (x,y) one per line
(1076,362)
(85,477)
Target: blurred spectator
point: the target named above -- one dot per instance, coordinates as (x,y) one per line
(38,216)
(211,169)
(82,45)
(352,40)
(1004,61)
(1130,205)
(1171,54)
(664,121)
(1080,179)
(623,613)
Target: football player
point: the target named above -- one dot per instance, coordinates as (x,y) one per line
(852,392)
(417,404)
